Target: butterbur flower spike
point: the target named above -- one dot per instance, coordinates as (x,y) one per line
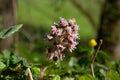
(64,35)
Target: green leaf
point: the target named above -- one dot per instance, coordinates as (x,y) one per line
(102,72)
(72,62)
(6,54)
(57,77)
(2,66)
(84,61)
(68,78)
(9,31)
(36,70)
(83,77)
(16,59)
(87,77)
(8,78)
(113,75)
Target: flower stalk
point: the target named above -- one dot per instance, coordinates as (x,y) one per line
(94,57)
(29,74)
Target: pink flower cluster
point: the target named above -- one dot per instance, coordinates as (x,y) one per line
(64,34)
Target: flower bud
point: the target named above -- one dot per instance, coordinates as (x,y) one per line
(92,43)
(49,37)
(71,21)
(60,47)
(63,22)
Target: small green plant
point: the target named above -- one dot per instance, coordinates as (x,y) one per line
(13,67)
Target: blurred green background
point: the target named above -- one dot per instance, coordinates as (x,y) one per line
(43,13)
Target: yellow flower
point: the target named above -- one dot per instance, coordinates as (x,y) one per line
(92,43)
